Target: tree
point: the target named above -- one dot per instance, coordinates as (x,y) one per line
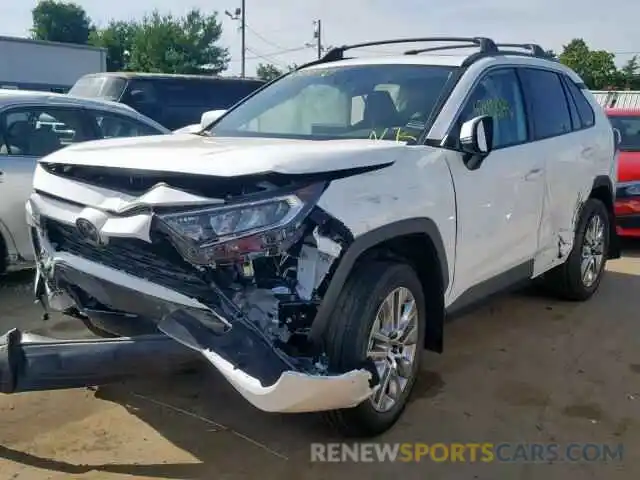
(118,39)
(629,77)
(596,67)
(166,44)
(268,72)
(58,21)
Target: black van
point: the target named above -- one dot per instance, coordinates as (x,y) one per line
(171,100)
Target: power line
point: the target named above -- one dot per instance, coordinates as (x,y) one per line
(268,59)
(271,54)
(265,40)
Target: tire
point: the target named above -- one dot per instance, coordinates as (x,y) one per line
(566,281)
(347,339)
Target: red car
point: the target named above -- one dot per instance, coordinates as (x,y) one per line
(627,121)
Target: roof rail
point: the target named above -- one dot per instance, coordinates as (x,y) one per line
(486,45)
(533,49)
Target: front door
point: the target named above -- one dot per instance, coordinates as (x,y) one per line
(499,203)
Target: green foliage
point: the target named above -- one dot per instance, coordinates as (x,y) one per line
(268,72)
(596,67)
(58,21)
(187,45)
(117,38)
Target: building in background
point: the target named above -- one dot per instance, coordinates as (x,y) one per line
(49,66)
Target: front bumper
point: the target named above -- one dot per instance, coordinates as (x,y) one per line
(257,369)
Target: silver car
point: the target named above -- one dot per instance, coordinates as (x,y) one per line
(35,124)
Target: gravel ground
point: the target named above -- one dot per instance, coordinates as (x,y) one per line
(520,369)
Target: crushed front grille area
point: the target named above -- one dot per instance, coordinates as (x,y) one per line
(157,262)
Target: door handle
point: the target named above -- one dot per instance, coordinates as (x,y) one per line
(533,174)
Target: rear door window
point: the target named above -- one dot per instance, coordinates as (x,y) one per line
(585,112)
(547,103)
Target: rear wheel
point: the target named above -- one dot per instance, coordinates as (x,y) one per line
(379,317)
(579,277)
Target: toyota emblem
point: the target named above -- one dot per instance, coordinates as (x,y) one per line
(89,232)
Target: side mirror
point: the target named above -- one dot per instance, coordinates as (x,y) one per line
(618,137)
(476,136)
(209,117)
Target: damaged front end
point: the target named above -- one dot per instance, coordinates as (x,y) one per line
(237,277)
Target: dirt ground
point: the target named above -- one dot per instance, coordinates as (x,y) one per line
(520,369)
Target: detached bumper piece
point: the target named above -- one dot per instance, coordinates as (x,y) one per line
(31,362)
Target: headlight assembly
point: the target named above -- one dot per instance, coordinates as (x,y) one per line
(230,232)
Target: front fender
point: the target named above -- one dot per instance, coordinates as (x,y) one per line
(413,196)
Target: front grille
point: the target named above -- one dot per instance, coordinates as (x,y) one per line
(157,262)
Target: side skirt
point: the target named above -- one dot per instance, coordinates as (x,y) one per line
(510,280)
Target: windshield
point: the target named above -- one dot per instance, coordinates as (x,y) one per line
(629,126)
(107,87)
(389,102)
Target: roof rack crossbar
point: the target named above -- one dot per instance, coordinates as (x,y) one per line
(486,45)
(534,49)
(434,49)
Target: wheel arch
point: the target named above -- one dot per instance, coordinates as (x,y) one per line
(417,241)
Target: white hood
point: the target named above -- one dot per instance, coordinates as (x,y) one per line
(227,156)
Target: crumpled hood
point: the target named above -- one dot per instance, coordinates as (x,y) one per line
(228,156)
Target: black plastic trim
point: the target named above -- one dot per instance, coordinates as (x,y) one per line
(513,278)
(359,247)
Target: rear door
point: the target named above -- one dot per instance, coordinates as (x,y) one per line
(28,133)
(561,139)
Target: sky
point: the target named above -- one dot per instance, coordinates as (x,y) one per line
(277,30)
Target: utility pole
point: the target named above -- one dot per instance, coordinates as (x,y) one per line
(239,14)
(317,34)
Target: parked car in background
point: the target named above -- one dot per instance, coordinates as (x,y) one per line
(627,122)
(172,100)
(34,124)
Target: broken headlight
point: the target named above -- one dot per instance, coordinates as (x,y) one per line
(237,231)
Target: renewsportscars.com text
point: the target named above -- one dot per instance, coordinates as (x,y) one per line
(466,452)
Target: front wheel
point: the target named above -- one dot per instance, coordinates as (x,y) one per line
(380,317)
(579,277)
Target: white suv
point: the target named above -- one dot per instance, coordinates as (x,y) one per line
(312,240)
